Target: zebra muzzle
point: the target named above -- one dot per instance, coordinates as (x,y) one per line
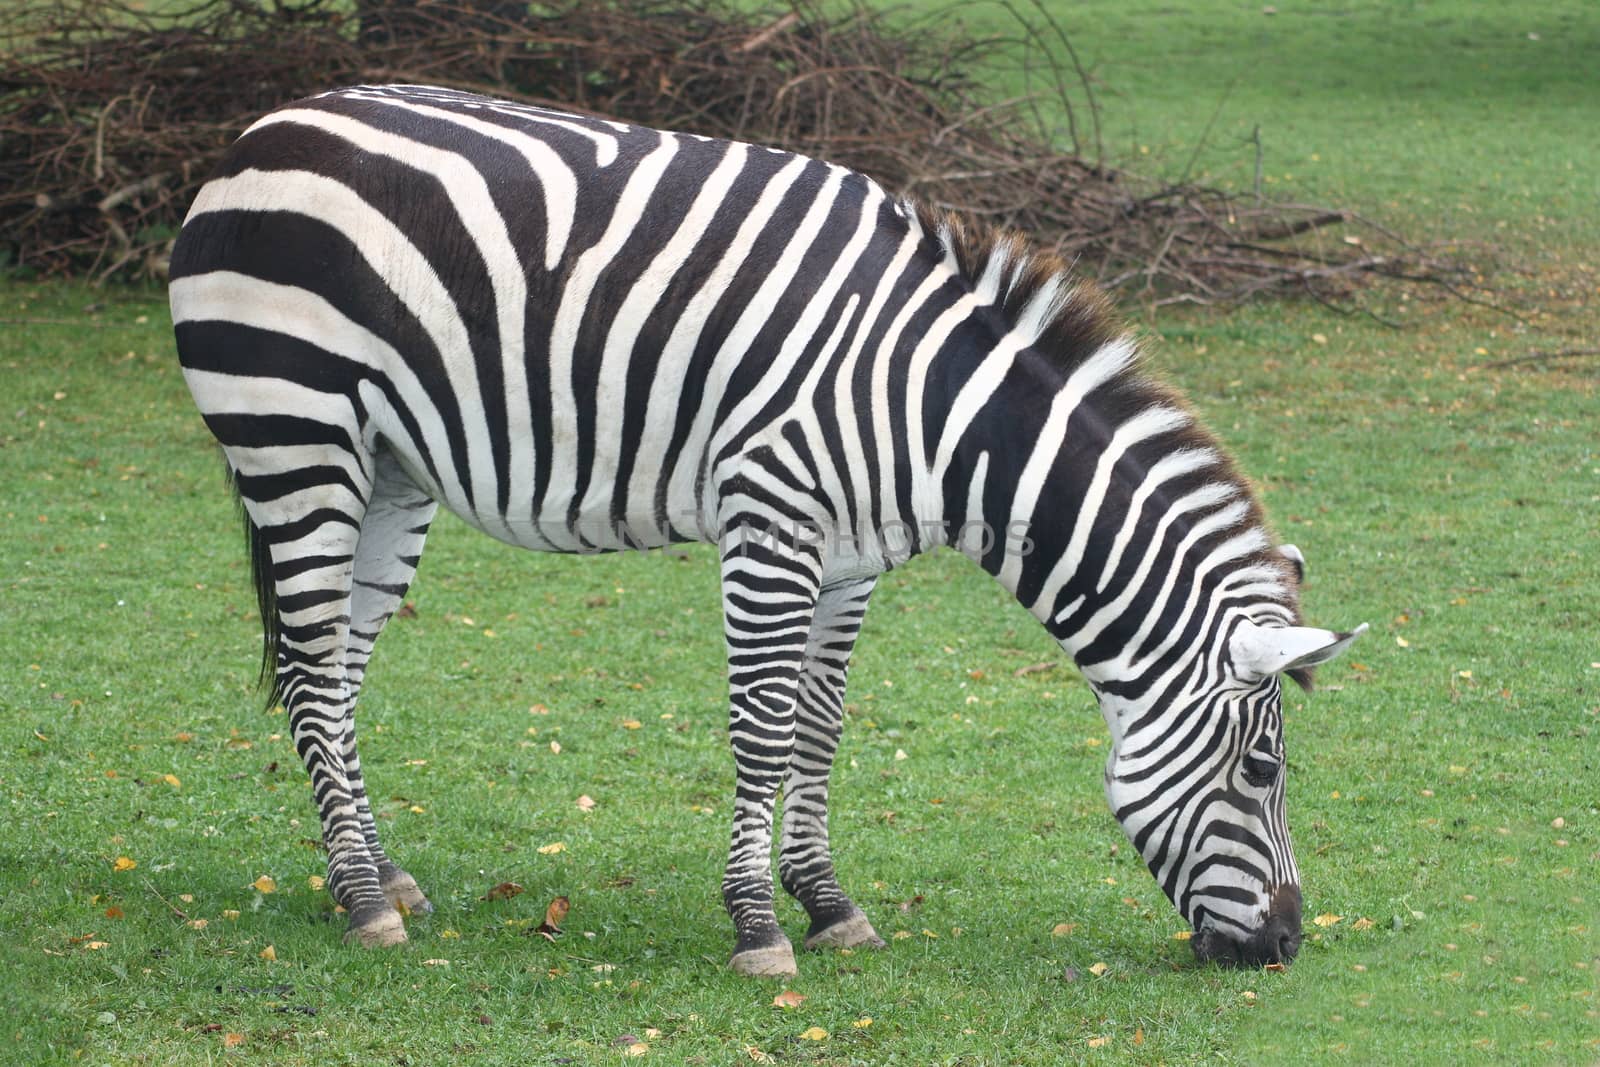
(1276,941)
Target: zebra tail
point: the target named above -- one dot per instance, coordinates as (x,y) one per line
(266,593)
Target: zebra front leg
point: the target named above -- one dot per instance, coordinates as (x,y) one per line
(768,593)
(393,532)
(805,862)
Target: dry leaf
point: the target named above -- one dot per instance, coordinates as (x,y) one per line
(813,1033)
(1183,935)
(552,848)
(1138,1036)
(554,916)
(1362,923)
(788,999)
(232,1040)
(436,963)
(269,953)
(96,945)
(1097,1042)
(1098,969)
(586,803)
(503,891)
(123,863)
(265,884)
(631,724)
(316,881)
(863,1022)
(757,1055)
(638,1048)
(1327,919)
(555,748)
(1062,929)
(231,915)
(1276,968)
(113,912)
(172,780)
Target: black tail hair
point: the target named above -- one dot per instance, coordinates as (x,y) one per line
(266,592)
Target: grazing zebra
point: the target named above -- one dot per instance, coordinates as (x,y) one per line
(580,335)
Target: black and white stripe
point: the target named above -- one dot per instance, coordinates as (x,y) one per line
(580,335)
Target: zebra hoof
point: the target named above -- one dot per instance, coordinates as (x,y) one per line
(405,896)
(851,932)
(769,961)
(381,931)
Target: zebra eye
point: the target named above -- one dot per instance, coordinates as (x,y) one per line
(1260,771)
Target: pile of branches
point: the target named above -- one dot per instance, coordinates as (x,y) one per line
(111,117)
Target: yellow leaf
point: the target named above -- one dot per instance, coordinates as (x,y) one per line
(1327,919)
(1062,929)
(638,1048)
(788,999)
(555,747)
(269,953)
(96,945)
(172,780)
(1097,1042)
(446,934)
(1362,923)
(901,935)
(863,1022)
(757,1055)
(1098,969)
(1402,642)
(631,724)
(1183,935)
(265,884)
(316,881)
(814,1033)
(1138,1036)
(436,963)
(231,915)
(417,809)
(232,1040)
(123,863)
(187,898)
(199,924)
(928,933)
(552,848)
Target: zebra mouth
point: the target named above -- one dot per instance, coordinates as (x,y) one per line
(1276,941)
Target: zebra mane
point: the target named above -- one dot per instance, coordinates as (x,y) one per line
(1071,319)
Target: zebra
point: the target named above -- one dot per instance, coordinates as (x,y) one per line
(581,335)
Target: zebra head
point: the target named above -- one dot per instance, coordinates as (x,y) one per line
(1196,778)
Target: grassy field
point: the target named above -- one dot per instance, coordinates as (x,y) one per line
(1443,780)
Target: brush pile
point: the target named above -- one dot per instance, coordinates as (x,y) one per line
(111,116)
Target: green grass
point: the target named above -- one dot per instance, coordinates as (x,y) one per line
(1451,506)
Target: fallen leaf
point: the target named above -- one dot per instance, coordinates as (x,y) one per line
(113,912)
(1362,923)
(632,724)
(96,945)
(862,1023)
(901,935)
(757,1055)
(554,916)
(316,881)
(586,803)
(788,999)
(1062,929)
(123,863)
(503,891)
(1327,919)
(555,748)
(813,1033)
(269,953)
(1183,935)
(1097,1042)
(172,780)
(1098,969)
(436,963)
(1138,1036)
(232,1040)
(265,884)
(552,848)
(638,1048)
(231,915)
(1276,968)
(199,924)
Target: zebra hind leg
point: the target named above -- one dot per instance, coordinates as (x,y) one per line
(805,862)
(309,523)
(393,531)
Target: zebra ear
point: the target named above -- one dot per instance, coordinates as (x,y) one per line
(1296,557)
(1260,651)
